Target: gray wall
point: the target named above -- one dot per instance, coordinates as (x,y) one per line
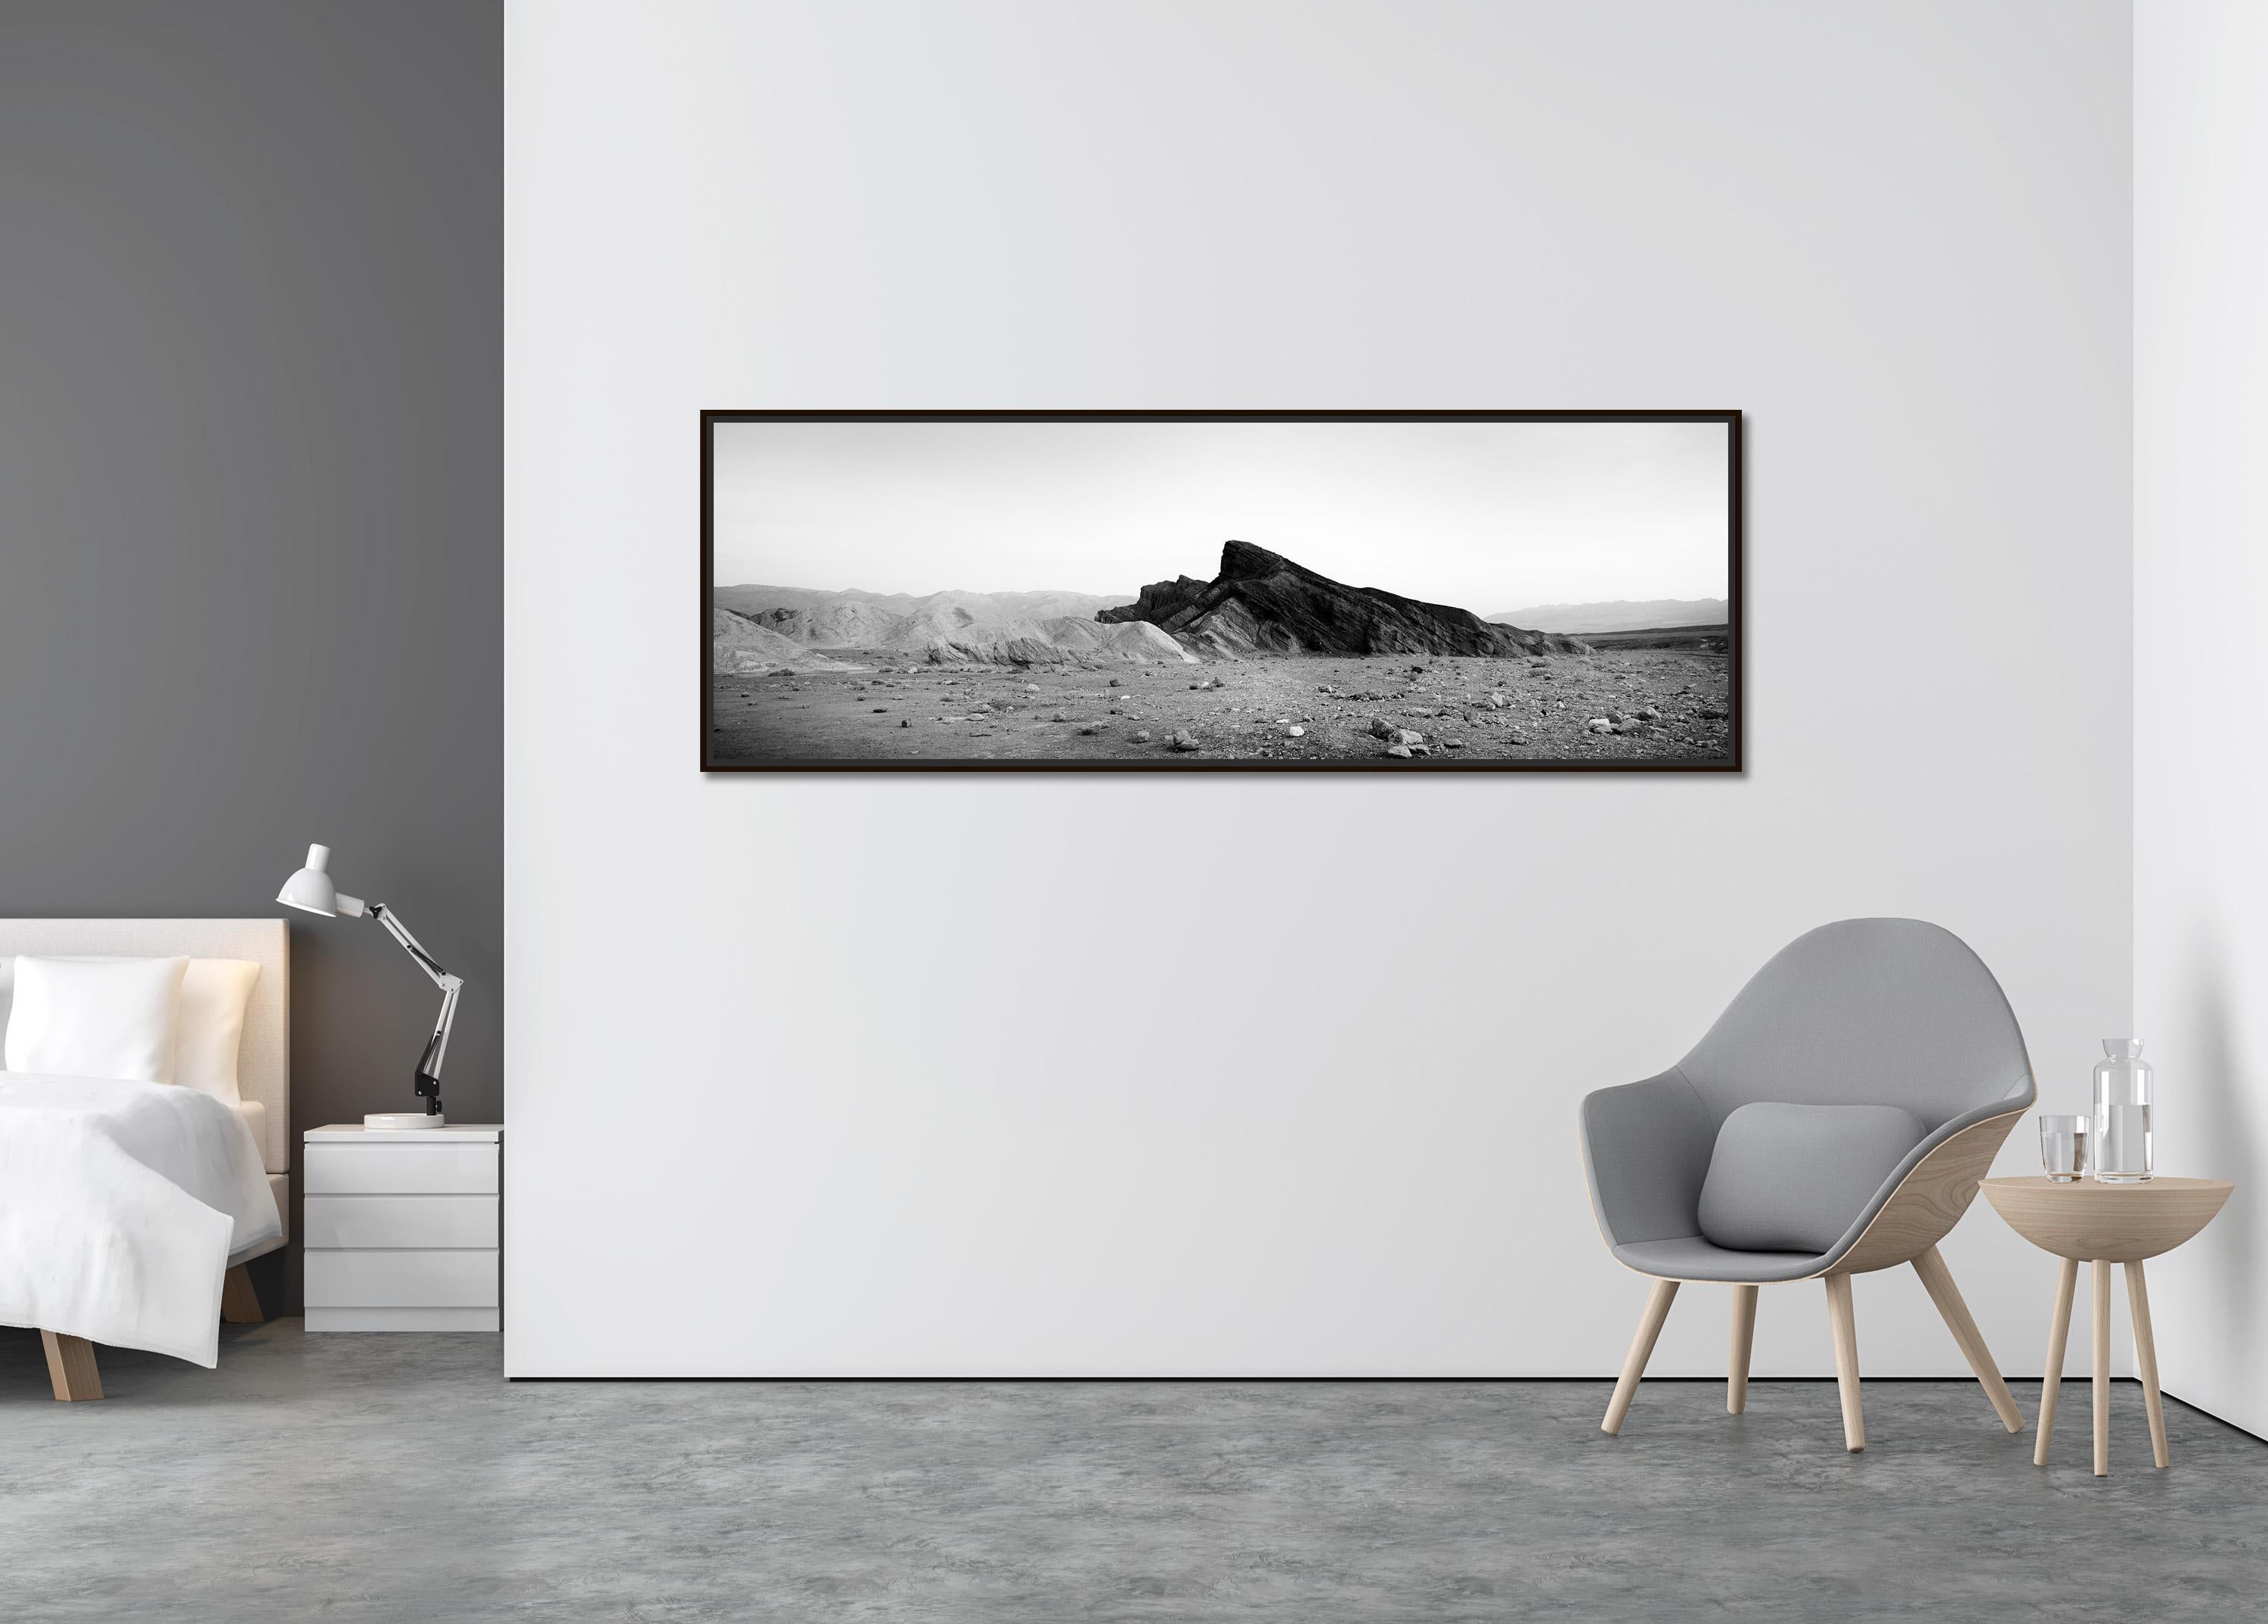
(251,354)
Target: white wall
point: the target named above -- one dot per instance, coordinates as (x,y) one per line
(2201,587)
(1069,1073)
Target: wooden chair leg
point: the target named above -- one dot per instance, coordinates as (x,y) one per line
(2146,1360)
(2058,1338)
(1843,1318)
(1946,1296)
(1744,1338)
(240,1303)
(71,1366)
(2102,1283)
(1649,1327)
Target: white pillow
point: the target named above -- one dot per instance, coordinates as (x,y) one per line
(96,1017)
(214,992)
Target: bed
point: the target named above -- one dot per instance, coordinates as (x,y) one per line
(64,1122)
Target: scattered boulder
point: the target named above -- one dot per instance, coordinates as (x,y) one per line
(1143,737)
(1600,724)
(1399,751)
(1295,732)
(1184,740)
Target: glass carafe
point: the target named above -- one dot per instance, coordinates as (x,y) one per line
(2122,1112)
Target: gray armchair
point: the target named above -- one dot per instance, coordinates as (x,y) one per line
(1894,1015)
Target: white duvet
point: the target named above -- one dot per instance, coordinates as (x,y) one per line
(121,1203)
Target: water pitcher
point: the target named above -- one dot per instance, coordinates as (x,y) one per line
(2122,1112)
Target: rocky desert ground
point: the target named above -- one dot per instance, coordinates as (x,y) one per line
(1639,706)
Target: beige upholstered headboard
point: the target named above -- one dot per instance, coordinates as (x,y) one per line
(264,1064)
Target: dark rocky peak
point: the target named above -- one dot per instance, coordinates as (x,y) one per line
(1264,602)
(1242,561)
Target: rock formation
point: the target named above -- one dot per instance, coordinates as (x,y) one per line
(1261,603)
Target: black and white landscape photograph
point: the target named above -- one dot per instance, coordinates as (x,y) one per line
(1392,592)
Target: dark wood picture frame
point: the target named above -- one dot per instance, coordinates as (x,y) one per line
(1731,761)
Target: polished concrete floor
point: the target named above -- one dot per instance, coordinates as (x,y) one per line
(372,1478)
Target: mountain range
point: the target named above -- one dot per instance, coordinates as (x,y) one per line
(783,627)
(1621,614)
(740,644)
(954,611)
(1262,602)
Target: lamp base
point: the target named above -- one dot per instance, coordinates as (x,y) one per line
(399,1121)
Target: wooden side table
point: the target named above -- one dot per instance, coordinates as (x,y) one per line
(2084,1221)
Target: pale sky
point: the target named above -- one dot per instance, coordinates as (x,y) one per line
(1485,516)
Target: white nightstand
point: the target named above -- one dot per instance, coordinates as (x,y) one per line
(404,1230)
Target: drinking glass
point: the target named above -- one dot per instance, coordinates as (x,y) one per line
(2063,1147)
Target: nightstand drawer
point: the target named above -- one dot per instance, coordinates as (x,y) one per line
(398,1221)
(402,1279)
(402,1170)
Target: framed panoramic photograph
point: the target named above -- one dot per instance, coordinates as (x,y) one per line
(1186,591)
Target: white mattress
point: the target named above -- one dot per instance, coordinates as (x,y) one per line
(125,1203)
(255,1117)
(279,1185)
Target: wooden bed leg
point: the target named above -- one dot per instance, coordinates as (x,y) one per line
(71,1366)
(240,1303)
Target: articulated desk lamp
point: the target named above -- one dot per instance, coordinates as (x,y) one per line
(312,889)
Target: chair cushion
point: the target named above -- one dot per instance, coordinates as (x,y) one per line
(1794,1177)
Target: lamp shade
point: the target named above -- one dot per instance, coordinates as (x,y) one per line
(310,888)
